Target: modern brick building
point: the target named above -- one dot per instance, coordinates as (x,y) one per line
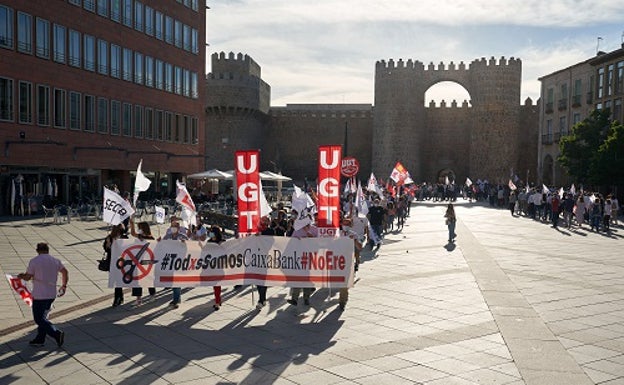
(569,96)
(90,87)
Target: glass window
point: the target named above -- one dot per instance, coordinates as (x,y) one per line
(619,78)
(25,102)
(563,128)
(6,27)
(127,64)
(178,80)
(149,20)
(89,5)
(158,22)
(187,37)
(194,131)
(89,53)
(186,87)
(74,110)
(194,39)
(169,30)
(103,57)
(168,122)
(610,69)
(138,16)
(115,117)
(178,34)
(158,125)
(160,72)
(115,61)
(43,38)
(60,46)
(43,105)
(194,5)
(168,77)
(126,123)
(149,121)
(127,13)
(74,48)
(89,113)
(24,32)
(115,11)
(138,121)
(60,108)
(177,128)
(194,93)
(149,71)
(187,128)
(600,84)
(75,2)
(576,118)
(102,115)
(6,99)
(102,7)
(138,68)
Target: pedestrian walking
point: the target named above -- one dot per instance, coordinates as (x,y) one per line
(451,219)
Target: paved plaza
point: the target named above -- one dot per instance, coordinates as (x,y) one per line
(513,301)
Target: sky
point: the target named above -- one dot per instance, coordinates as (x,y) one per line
(324,51)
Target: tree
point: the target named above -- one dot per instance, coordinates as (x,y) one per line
(608,164)
(578,152)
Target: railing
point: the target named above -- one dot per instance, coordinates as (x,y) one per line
(590,98)
(563,104)
(547,139)
(549,108)
(576,101)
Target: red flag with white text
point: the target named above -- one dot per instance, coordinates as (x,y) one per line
(329,190)
(183,197)
(399,174)
(18,285)
(247,167)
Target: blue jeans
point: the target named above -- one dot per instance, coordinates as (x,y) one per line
(177,294)
(40,310)
(451,230)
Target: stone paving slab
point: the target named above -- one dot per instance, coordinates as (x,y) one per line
(513,301)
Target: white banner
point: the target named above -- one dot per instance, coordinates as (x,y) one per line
(253,260)
(114,208)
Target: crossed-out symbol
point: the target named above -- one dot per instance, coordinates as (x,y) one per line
(135,262)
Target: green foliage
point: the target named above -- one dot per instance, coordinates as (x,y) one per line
(594,151)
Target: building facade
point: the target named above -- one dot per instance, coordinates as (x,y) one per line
(570,95)
(481,138)
(88,88)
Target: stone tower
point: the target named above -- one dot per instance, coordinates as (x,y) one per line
(237,106)
(476,139)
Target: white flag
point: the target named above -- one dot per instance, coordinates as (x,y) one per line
(573,189)
(468,182)
(446,180)
(545,189)
(183,197)
(159,214)
(561,193)
(115,209)
(265,207)
(360,201)
(305,207)
(141,183)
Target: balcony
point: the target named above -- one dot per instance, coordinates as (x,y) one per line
(556,137)
(576,101)
(590,98)
(547,139)
(563,104)
(549,108)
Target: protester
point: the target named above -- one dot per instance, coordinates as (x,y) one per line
(43,270)
(115,233)
(376,215)
(143,234)
(307,231)
(178,233)
(265,229)
(450,222)
(216,236)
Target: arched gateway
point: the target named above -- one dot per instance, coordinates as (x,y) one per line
(479,140)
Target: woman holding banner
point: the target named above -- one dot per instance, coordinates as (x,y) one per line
(143,234)
(116,233)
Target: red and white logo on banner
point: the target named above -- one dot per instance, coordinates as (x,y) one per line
(329,190)
(248,191)
(21,289)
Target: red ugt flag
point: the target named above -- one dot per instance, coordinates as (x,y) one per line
(248,191)
(18,285)
(329,190)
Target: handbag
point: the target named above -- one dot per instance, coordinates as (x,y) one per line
(104,263)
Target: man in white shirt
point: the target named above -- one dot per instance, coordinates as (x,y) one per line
(43,270)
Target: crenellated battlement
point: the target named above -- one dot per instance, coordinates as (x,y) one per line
(329,111)
(240,64)
(419,66)
(443,104)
